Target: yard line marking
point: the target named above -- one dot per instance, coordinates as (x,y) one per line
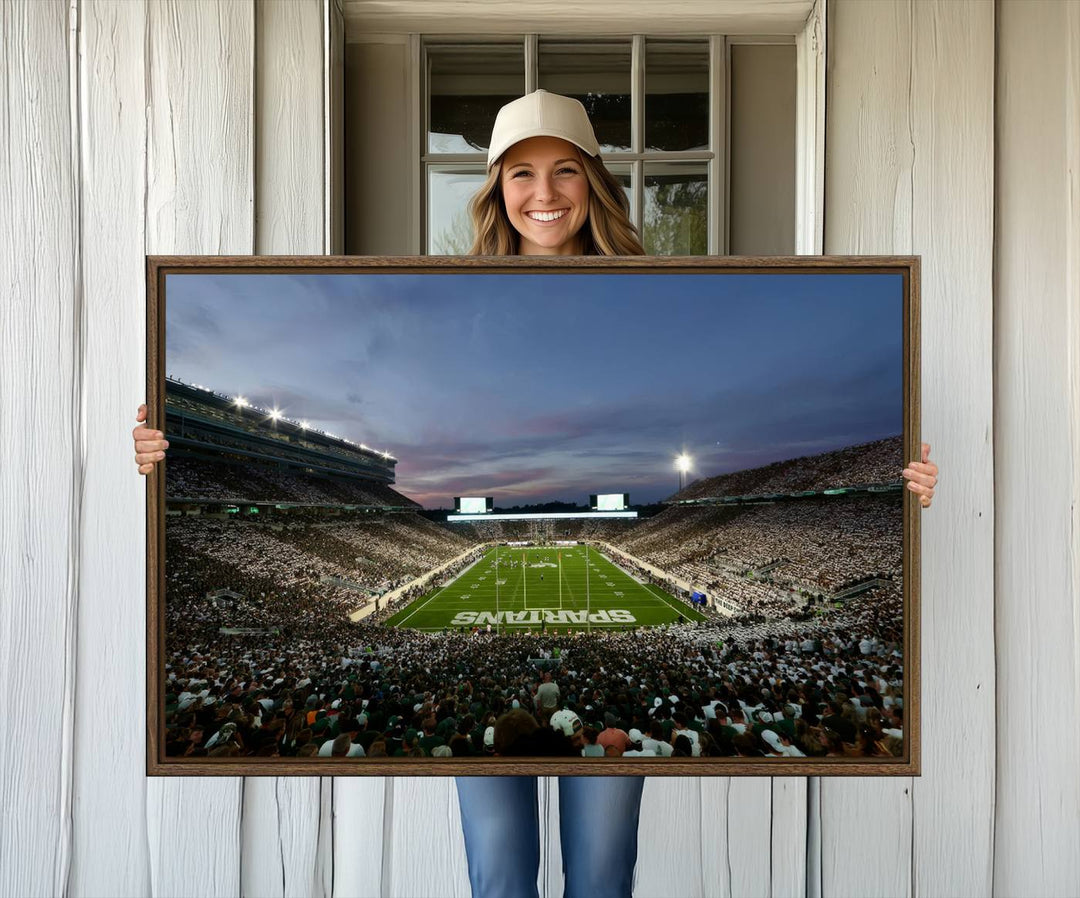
(668,602)
(418,607)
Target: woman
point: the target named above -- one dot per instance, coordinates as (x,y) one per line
(547,193)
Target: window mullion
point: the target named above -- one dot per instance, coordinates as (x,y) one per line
(717,186)
(421,229)
(532,62)
(725,142)
(637,129)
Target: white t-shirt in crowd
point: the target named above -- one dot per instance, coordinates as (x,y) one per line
(692,735)
(659,749)
(326,750)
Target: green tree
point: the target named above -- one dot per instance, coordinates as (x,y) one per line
(455,240)
(676,217)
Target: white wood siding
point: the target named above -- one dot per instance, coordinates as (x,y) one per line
(1037,450)
(109,822)
(136,127)
(41,434)
(909,149)
(200,199)
(286,835)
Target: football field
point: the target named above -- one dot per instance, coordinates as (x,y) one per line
(551,588)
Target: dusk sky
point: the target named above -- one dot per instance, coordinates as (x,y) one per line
(537,387)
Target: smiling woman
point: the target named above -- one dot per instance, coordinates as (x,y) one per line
(547,190)
(546,196)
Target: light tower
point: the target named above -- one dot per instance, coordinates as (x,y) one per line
(683,464)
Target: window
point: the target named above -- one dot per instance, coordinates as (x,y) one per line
(661,111)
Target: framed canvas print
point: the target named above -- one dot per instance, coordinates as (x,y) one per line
(591,516)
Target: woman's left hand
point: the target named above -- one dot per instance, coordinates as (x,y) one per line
(922,477)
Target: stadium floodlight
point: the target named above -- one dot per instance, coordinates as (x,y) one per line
(304,425)
(241,401)
(683,463)
(275,414)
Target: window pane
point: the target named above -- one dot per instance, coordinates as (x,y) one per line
(597,74)
(676,95)
(676,209)
(467,84)
(449,191)
(623,174)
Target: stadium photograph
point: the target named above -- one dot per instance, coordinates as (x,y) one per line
(471,515)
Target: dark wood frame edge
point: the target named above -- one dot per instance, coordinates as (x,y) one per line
(157,267)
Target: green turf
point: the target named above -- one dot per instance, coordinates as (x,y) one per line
(553,586)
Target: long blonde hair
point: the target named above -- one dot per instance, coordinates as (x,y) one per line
(608,230)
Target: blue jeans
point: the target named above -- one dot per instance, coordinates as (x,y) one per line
(598,822)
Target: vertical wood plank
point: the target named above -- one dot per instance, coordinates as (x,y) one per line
(1037,446)
(866,822)
(334,126)
(788,839)
(868,155)
(324,851)
(810,134)
(910,169)
(670,839)
(193,830)
(40,445)
(750,815)
(953,230)
(359,840)
(866,837)
(199,196)
(290,162)
(110,854)
(714,813)
(283,816)
(200,185)
(737,851)
(423,844)
(280,828)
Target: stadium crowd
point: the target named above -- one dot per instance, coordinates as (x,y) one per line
(197,478)
(262,660)
(545,531)
(767,556)
(826,685)
(878,462)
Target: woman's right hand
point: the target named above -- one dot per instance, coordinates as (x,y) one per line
(150,445)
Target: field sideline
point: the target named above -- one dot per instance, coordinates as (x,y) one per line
(553,588)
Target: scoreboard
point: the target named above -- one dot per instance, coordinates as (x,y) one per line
(609,501)
(473,504)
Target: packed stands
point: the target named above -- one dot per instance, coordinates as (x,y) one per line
(244,481)
(261,658)
(879,462)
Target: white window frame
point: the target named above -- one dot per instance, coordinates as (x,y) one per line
(810,125)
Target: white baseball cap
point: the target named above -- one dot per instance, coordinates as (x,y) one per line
(566,722)
(541,114)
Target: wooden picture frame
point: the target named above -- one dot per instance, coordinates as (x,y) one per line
(902,353)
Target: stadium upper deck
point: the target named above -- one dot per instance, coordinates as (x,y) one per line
(222,432)
(870,467)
